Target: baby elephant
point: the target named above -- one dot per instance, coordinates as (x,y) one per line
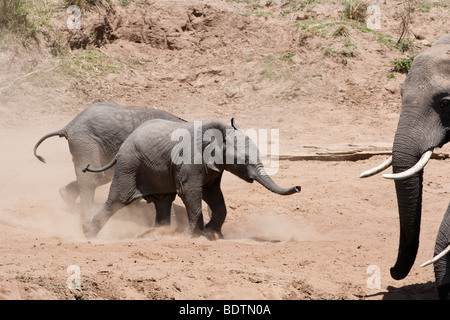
(95,136)
(161,159)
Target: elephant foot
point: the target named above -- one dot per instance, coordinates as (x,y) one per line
(212,234)
(90,229)
(68,197)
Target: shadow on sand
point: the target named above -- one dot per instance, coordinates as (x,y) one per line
(419,291)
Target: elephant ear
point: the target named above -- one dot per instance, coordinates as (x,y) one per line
(213,139)
(181,152)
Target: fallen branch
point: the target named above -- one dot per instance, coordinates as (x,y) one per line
(348,152)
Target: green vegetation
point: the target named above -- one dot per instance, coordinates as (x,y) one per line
(402,65)
(356,10)
(28,22)
(83,3)
(264,14)
(256,5)
(426,6)
(13,14)
(312,27)
(404,45)
(349,44)
(343,52)
(321,27)
(25,22)
(243,1)
(341,31)
(90,63)
(391,76)
(297,5)
(87,69)
(288,57)
(15,21)
(340,44)
(272,67)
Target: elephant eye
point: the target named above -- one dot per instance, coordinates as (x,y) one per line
(445,104)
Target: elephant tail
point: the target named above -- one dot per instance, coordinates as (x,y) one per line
(106,167)
(60,133)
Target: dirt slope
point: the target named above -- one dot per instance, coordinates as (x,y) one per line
(275,66)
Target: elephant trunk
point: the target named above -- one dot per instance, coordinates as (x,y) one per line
(409,199)
(406,152)
(415,138)
(263,178)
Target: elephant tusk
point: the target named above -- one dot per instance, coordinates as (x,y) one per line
(437,257)
(386,164)
(413,170)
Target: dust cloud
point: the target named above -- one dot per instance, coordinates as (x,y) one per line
(272,228)
(30,199)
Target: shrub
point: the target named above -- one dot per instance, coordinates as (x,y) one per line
(341,31)
(402,65)
(356,10)
(13,14)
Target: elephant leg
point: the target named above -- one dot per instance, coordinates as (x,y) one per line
(122,192)
(70,193)
(163,206)
(442,266)
(91,227)
(86,152)
(192,199)
(88,183)
(179,216)
(87,194)
(214,198)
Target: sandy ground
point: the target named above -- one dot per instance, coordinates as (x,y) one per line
(327,242)
(317,244)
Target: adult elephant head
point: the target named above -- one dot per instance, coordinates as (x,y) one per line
(424,124)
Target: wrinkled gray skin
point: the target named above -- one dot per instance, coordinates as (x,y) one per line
(442,266)
(424,124)
(144,169)
(95,136)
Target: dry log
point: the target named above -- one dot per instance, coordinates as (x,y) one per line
(348,152)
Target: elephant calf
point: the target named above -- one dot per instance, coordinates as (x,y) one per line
(95,136)
(152,165)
